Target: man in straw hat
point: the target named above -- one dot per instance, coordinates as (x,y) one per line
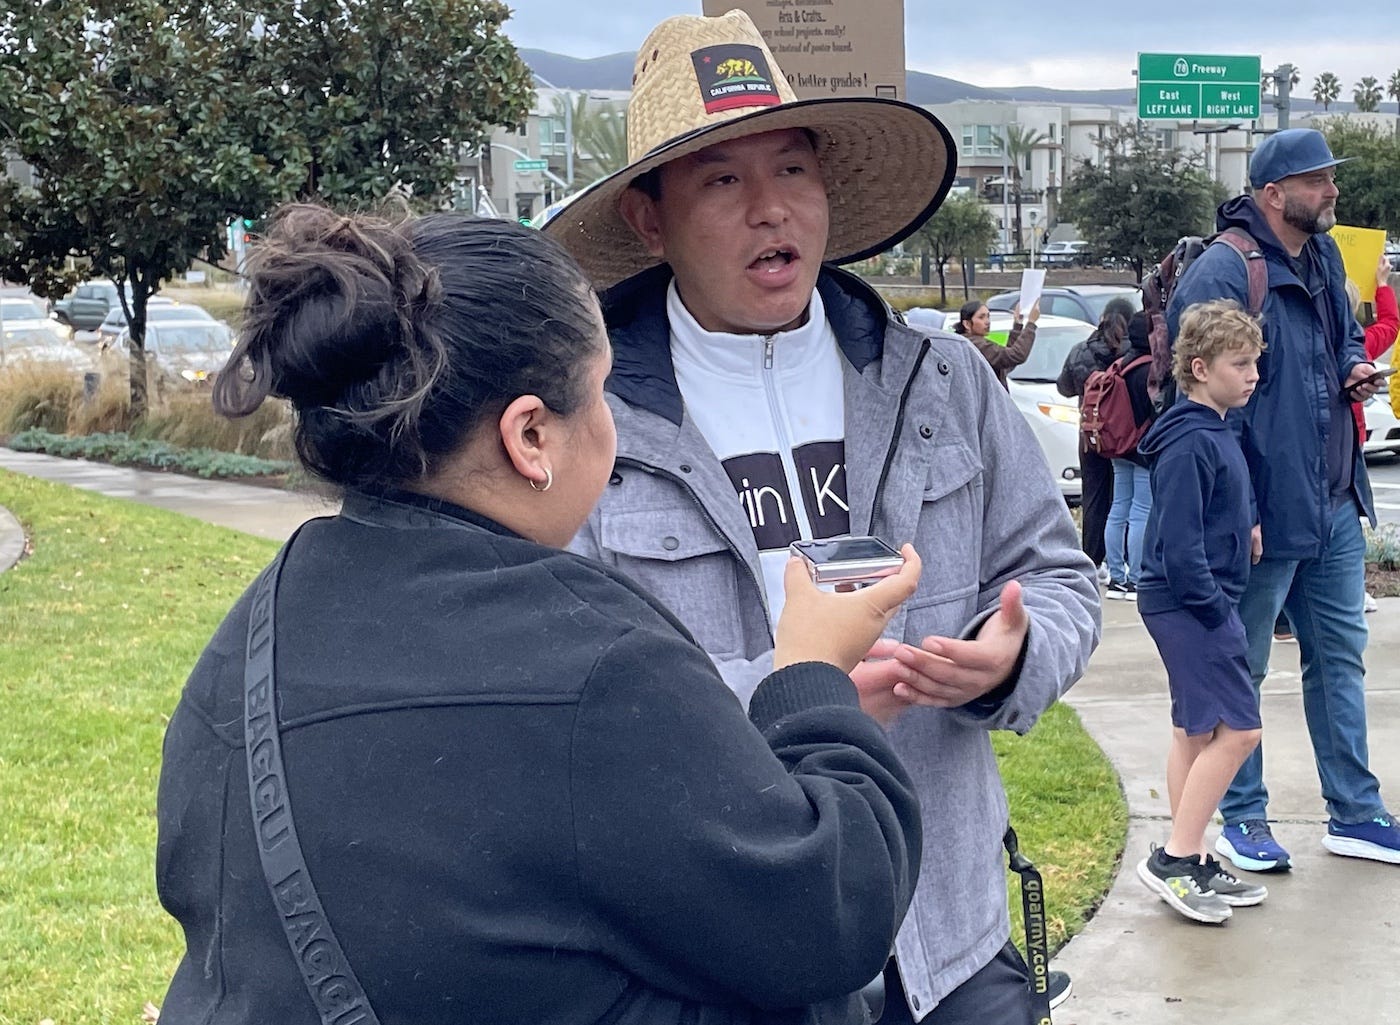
(761,396)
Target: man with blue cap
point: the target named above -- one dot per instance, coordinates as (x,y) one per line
(1310,489)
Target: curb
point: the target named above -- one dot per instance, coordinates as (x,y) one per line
(11,539)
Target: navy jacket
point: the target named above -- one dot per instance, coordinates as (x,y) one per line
(1283,430)
(1196,552)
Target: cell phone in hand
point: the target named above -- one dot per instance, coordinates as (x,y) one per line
(848,560)
(1377,378)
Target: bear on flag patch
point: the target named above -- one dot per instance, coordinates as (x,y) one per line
(732,76)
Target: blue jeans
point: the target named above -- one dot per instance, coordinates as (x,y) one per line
(1324,598)
(1127,517)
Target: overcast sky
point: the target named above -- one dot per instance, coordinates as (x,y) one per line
(1018,42)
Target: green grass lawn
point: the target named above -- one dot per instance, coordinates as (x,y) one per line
(100,626)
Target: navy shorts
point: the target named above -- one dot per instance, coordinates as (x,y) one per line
(1207,671)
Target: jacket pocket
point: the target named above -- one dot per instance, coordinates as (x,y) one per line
(949,540)
(677,555)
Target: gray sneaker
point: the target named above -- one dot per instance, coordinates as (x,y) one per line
(1229,888)
(1178,882)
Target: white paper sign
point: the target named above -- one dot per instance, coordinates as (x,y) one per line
(1032,284)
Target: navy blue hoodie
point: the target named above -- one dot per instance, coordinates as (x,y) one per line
(1196,553)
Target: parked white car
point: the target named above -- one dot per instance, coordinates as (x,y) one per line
(1382,428)
(1053,418)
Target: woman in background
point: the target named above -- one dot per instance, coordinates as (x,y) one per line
(975,321)
(1096,473)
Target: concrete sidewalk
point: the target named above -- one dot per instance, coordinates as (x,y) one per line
(266,512)
(1320,950)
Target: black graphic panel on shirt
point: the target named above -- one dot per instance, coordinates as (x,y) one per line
(764,496)
(821,467)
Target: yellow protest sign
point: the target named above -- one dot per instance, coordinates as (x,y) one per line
(1361,252)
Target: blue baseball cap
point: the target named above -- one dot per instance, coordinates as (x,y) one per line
(1289,152)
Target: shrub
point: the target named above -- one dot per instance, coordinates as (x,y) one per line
(37,395)
(51,398)
(187,419)
(1383,546)
(125,450)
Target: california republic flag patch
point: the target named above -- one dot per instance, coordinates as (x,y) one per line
(732,76)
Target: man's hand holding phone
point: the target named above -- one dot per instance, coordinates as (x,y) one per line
(1365,380)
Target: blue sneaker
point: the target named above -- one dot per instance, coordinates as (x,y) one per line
(1252,847)
(1378,839)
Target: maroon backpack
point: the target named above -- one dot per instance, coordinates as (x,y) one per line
(1161,282)
(1107,424)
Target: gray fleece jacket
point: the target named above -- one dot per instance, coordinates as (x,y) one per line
(936,454)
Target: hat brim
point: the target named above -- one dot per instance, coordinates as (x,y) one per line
(887,167)
(1302,170)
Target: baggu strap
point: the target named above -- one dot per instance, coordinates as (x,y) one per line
(1033,915)
(334,989)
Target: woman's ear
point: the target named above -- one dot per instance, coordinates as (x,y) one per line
(528,430)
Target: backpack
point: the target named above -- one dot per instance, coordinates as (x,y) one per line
(1106,421)
(1161,282)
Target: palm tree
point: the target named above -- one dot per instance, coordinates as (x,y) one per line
(1019,142)
(1326,88)
(1392,90)
(1367,94)
(600,137)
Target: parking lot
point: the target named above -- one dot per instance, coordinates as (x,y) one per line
(1385,483)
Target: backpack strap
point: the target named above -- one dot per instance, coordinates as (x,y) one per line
(334,989)
(1256,268)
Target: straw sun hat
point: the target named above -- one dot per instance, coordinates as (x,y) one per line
(701,81)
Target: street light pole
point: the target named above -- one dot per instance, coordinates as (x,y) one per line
(1005,210)
(568,129)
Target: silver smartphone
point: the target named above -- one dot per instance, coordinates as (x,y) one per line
(848,560)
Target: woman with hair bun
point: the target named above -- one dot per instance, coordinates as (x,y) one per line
(434,768)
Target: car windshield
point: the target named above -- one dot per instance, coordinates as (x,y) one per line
(167,311)
(191,338)
(1098,301)
(31,338)
(21,309)
(1052,345)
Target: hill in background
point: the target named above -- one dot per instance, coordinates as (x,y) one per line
(615,72)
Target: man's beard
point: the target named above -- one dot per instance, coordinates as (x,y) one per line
(1311,222)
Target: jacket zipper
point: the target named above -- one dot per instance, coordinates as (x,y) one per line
(657,472)
(898,430)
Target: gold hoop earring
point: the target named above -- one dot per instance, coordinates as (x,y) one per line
(548,481)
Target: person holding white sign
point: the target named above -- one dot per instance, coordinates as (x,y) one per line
(975,323)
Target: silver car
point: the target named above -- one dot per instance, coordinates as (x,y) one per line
(184,352)
(27,335)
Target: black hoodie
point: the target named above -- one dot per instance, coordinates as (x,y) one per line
(1196,553)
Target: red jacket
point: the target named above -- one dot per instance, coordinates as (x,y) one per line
(1380,336)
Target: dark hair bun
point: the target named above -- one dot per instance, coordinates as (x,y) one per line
(331,304)
(394,338)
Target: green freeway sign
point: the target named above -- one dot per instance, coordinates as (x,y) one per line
(1181,86)
(532,165)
